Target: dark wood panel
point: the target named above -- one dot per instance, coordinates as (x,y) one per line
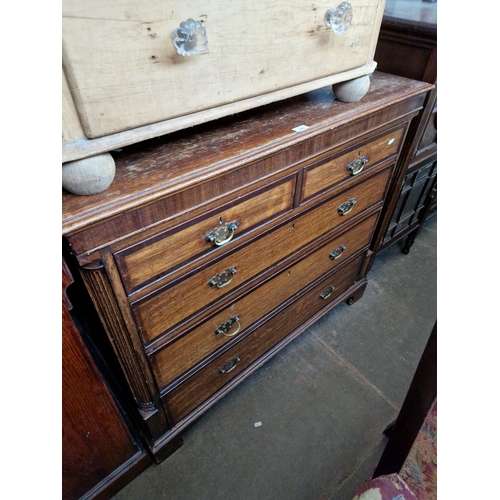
(407,46)
(418,401)
(97,446)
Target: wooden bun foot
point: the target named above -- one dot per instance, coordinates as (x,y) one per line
(88,176)
(352,90)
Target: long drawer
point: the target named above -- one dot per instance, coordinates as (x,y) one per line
(169,306)
(194,391)
(185,352)
(143,262)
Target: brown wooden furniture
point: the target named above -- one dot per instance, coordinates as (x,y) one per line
(407,46)
(99,453)
(420,397)
(215,247)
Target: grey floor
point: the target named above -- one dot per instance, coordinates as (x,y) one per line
(322,402)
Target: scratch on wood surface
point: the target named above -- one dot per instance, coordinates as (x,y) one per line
(101,19)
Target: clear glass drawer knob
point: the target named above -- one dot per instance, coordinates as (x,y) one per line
(339,19)
(190,38)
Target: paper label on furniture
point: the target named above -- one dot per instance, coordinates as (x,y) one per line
(300,128)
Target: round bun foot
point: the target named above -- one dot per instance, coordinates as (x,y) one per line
(352,90)
(88,176)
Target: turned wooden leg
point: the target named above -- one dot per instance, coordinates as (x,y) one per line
(358,293)
(408,243)
(89,175)
(352,90)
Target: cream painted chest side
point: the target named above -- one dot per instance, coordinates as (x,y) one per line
(125,81)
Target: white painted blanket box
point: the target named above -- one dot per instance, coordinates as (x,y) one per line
(134,70)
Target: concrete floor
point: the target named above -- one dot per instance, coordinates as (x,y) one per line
(323,401)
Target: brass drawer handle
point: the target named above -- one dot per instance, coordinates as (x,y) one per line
(326,293)
(356,166)
(224,328)
(223,234)
(335,254)
(346,207)
(223,279)
(229,366)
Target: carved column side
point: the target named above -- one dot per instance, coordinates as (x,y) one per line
(123,336)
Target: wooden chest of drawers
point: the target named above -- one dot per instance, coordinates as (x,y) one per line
(214,248)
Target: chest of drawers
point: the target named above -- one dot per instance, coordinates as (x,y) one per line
(215,248)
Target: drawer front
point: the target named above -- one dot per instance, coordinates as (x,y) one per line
(166,308)
(185,352)
(148,260)
(194,391)
(124,70)
(322,176)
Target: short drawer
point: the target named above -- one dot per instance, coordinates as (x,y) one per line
(162,310)
(202,385)
(142,263)
(355,163)
(185,352)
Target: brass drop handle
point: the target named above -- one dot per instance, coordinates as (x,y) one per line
(223,279)
(356,166)
(224,328)
(229,366)
(327,292)
(346,207)
(335,254)
(222,234)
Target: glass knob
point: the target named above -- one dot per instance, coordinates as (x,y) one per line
(339,18)
(190,38)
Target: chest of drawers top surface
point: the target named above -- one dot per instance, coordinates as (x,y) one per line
(174,164)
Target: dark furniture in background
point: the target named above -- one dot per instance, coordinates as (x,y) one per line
(418,401)
(99,453)
(407,47)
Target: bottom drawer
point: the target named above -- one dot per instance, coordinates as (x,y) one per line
(204,383)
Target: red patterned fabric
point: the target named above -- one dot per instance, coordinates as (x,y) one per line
(420,468)
(417,479)
(390,487)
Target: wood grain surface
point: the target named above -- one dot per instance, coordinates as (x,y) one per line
(124,71)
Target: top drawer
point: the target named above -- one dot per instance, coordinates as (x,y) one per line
(124,71)
(356,162)
(142,263)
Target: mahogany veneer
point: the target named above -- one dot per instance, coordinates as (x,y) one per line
(215,247)
(99,453)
